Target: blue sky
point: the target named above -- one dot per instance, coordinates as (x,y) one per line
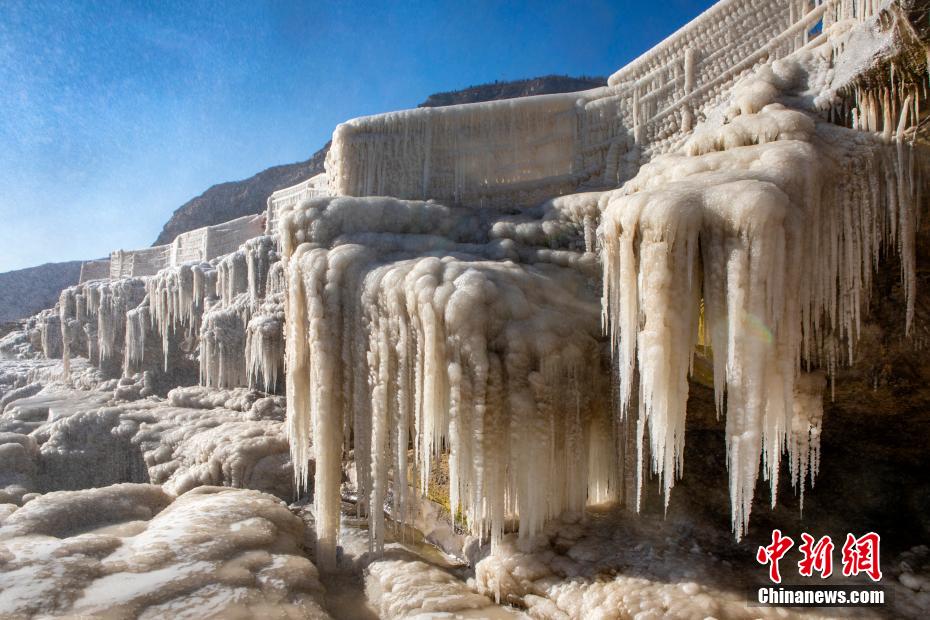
(113,114)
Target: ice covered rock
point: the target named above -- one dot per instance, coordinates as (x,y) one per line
(91,439)
(414,589)
(135,551)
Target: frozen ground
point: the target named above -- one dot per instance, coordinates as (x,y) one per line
(56,437)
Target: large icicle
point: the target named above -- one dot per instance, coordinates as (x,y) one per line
(765,195)
(177,300)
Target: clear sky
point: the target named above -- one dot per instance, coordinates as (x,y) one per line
(113,114)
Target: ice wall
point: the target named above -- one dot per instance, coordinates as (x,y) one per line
(94,270)
(314,187)
(203,244)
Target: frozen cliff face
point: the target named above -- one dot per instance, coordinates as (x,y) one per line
(135,551)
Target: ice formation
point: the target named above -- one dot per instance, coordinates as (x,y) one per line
(721,232)
(177,297)
(93,318)
(413,321)
(264,346)
(454,340)
(198,436)
(405,588)
(517,326)
(521,151)
(613,566)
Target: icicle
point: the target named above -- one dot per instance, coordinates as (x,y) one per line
(806,421)
(264,348)
(222,344)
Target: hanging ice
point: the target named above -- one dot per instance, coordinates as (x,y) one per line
(736,220)
(454,343)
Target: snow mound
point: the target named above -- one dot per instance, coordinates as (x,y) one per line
(414,589)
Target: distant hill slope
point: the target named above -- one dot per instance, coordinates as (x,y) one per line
(26,291)
(545,85)
(228,201)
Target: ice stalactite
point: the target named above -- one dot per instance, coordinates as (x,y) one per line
(137,323)
(277,279)
(70,327)
(443,344)
(232,276)
(49,326)
(222,343)
(806,423)
(260,254)
(264,346)
(116,298)
(92,319)
(851,9)
(736,219)
(242,338)
(177,298)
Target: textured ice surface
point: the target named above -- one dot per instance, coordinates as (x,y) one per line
(414,589)
(613,564)
(133,551)
(199,436)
